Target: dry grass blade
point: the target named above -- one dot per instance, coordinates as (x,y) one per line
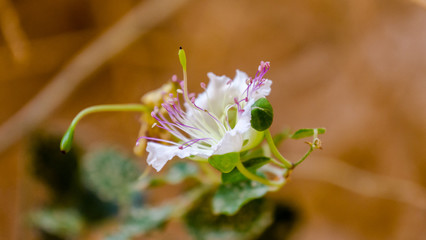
(13,33)
(139,20)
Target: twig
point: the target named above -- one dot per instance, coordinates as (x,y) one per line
(363,182)
(12,32)
(138,21)
(422,3)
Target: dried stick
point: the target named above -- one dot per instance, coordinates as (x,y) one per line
(422,3)
(15,37)
(363,182)
(138,21)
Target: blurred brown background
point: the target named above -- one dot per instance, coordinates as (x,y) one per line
(355,67)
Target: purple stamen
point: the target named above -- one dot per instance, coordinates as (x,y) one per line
(174,78)
(191,142)
(186,124)
(155,139)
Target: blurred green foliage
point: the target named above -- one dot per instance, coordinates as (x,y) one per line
(107,182)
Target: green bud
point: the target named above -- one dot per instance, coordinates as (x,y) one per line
(66,142)
(262,115)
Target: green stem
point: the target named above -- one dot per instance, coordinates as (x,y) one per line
(66,141)
(275,151)
(304,157)
(276,162)
(243,170)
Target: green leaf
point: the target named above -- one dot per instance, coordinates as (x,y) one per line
(225,162)
(262,115)
(66,223)
(252,165)
(306,132)
(253,153)
(111,175)
(142,221)
(230,197)
(248,223)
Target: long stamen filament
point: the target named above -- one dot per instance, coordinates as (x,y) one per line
(182,59)
(66,141)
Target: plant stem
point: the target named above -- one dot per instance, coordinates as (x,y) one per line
(109,108)
(66,141)
(304,157)
(254,177)
(274,161)
(287,164)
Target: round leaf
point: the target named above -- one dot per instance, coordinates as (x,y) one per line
(261,115)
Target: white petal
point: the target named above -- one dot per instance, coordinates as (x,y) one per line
(263,91)
(216,95)
(243,123)
(220,94)
(231,142)
(240,81)
(160,154)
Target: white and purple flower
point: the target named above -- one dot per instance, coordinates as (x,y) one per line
(214,123)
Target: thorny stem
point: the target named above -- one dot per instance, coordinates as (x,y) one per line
(287,164)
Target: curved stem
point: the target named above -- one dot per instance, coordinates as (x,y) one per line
(254,177)
(275,151)
(109,108)
(304,157)
(66,141)
(276,162)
